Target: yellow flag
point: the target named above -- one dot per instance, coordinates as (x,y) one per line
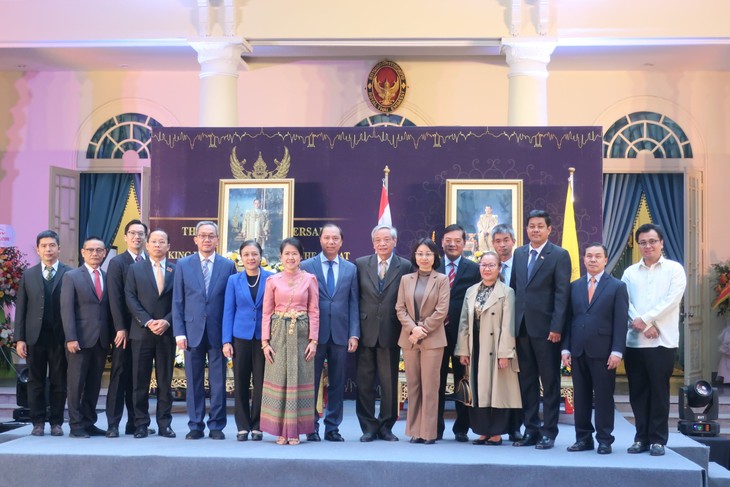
(570,234)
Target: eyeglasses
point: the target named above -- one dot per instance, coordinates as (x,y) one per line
(648,243)
(488,266)
(424,255)
(207,236)
(136,234)
(95,251)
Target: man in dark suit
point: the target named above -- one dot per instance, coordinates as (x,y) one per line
(197,316)
(39,334)
(339,326)
(120,380)
(378,353)
(86,325)
(594,344)
(462,274)
(541,280)
(148,291)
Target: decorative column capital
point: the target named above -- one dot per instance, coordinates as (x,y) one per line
(220,55)
(528,57)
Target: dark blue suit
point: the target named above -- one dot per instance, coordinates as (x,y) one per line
(242,329)
(595,330)
(198,316)
(339,320)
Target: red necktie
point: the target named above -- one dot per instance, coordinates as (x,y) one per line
(97,283)
(452,274)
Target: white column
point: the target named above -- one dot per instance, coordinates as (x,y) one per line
(220,59)
(528,60)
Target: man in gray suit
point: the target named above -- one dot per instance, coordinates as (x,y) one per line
(339,325)
(86,324)
(39,332)
(379,277)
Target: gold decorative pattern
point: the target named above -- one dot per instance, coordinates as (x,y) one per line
(260,168)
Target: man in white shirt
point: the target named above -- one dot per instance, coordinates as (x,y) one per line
(656,286)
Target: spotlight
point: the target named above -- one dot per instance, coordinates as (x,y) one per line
(698,410)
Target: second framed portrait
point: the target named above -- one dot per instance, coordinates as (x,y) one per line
(479,205)
(255,209)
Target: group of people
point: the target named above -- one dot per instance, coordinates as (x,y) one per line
(505,322)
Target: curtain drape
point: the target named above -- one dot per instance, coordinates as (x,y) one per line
(665,197)
(621,196)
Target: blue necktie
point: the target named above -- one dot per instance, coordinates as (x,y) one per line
(206,274)
(503,272)
(531,264)
(331,278)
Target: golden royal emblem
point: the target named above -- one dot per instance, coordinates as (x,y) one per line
(260,168)
(386,86)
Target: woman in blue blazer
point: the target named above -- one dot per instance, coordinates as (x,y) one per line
(242,338)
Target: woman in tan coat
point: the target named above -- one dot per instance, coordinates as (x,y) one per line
(487,342)
(423,301)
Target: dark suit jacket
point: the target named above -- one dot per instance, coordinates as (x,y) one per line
(598,328)
(467,274)
(542,301)
(379,325)
(30,303)
(194,311)
(144,301)
(339,315)
(115,275)
(241,315)
(85,317)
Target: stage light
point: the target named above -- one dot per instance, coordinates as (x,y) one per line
(698,410)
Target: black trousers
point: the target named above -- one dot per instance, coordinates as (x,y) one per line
(85,369)
(648,371)
(47,360)
(539,362)
(160,351)
(384,363)
(121,387)
(591,376)
(248,361)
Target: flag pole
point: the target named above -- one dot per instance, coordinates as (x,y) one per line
(385,179)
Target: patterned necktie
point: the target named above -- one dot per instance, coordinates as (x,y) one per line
(159,277)
(531,264)
(49,273)
(591,289)
(206,274)
(383,269)
(97,283)
(138,258)
(503,272)
(452,273)
(331,278)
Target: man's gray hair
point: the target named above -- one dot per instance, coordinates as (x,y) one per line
(504,228)
(391,229)
(206,222)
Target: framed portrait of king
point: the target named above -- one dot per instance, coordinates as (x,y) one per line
(479,205)
(255,209)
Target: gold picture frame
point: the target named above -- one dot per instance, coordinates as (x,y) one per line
(255,209)
(480,204)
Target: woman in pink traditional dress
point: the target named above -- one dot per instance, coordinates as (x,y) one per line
(290,328)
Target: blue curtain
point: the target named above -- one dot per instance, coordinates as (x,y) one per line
(621,197)
(101,205)
(665,197)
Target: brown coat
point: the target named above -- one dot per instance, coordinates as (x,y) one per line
(433,310)
(497,388)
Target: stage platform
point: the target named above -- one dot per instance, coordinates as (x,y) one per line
(51,461)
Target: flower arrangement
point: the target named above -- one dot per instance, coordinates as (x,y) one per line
(721,286)
(12,265)
(236,258)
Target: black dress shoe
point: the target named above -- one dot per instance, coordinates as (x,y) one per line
(38,429)
(56,430)
(582,445)
(387,436)
(333,436)
(141,432)
(94,431)
(367,437)
(112,432)
(429,442)
(216,435)
(167,432)
(194,435)
(638,447)
(656,450)
(527,440)
(493,442)
(461,437)
(415,440)
(545,443)
(604,448)
(242,436)
(515,436)
(78,433)
(313,437)
(151,431)
(257,436)
(479,441)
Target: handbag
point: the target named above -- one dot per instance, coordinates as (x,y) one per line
(462,391)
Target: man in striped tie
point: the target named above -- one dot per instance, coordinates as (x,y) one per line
(462,274)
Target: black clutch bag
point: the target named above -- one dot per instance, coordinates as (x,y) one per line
(462,390)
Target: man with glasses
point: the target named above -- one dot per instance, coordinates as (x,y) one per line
(197,317)
(86,325)
(120,380)
(462,274)
(656,286)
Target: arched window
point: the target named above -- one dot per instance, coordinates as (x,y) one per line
(385,120)
(646,131)
(119,134)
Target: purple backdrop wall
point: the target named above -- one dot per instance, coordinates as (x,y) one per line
(338,174)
